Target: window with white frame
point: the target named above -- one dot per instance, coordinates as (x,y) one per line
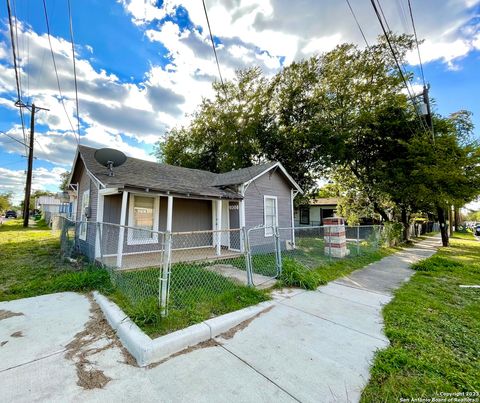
(83,218)
(270,214)
(143,214)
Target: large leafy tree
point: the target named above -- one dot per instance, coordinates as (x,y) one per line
(345,112)
(223,133)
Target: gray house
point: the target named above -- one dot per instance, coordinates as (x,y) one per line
(160,197)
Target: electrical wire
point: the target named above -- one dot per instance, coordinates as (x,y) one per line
(358,24)
(15,67)
(375,8)
(55,68)
(13,138)
(416,41)
(214,49)
(74,68)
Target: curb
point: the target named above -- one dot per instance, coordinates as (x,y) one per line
(147,351)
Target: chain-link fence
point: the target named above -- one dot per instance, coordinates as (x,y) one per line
(181,270)
(317,246)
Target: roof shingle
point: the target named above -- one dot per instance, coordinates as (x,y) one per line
(139,173)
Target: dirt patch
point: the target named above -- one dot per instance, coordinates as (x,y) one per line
(3,343)
(203,344)
(230,333)
(97,336)
(17,334)
(8,314)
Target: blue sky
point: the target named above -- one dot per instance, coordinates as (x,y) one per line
(144,65)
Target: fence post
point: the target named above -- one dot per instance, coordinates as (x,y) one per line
(248,257)
(278,251)
(358,240)
(329,242)
(165,274)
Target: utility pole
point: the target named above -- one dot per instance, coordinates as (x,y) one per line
(28,184)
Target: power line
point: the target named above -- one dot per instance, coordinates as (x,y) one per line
(15,67)
(416,41)
(74,68)
(375,8)
(55,68)
(358,24)
(13,138)
(214,49)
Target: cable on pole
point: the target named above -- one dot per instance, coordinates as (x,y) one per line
(13,138)
(416,40)
(214,49)
(402,75)
(74,68)
(358,24)
(55,68)
(15,67)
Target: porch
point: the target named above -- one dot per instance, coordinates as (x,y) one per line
(134,225)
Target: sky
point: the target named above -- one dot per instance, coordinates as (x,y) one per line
(144,65)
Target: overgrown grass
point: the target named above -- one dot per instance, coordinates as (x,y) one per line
(196,294)
(308,267)
(30,264)
(433,325)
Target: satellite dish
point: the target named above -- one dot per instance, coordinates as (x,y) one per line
(109,157)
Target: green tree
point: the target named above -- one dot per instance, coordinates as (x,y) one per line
(5,201)
(64,181)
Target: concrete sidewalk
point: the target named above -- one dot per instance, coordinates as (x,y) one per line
(313,346)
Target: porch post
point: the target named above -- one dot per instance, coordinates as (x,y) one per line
(121,233)
(169,213)
(241,216)
(219,227)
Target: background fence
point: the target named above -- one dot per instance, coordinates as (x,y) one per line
(173,270)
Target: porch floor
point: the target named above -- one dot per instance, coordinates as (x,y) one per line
(154,259)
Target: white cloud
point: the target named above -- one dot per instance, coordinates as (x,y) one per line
(42,179)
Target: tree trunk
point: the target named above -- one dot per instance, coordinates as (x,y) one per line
(405,222)
(457,217)
(380,211)
(443,225)
(450,221)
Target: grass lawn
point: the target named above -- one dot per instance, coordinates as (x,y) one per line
(30,264)
(196,294)
(433,326)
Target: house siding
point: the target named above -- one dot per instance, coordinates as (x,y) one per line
(87,247)
(272,183)
(188,215)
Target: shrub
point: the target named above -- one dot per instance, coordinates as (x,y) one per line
(392,233)
(295,274)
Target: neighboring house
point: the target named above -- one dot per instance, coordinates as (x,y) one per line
(51,206)
(163,197)
(316,210)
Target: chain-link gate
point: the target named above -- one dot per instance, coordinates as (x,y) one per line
(263,254)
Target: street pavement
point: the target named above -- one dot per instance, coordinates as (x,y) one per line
(313,346)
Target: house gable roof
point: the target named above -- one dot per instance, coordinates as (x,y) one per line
(137,173)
